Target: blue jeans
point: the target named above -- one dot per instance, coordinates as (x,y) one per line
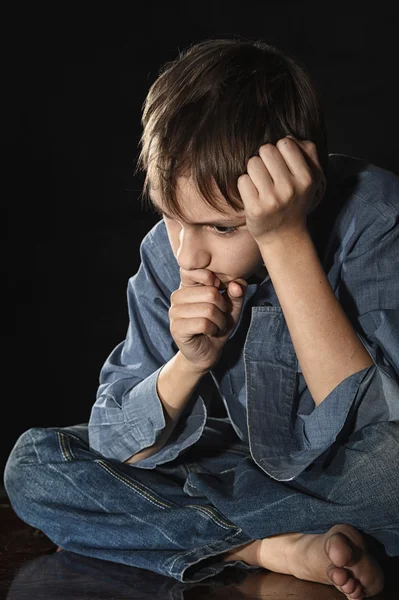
(178,518)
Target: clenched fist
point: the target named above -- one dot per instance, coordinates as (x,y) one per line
(201,318)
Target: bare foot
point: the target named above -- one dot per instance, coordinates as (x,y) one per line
(338,557)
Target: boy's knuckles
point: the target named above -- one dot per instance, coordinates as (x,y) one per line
(268,149)
(171,313)
(212,294)
(307,181)
(310,145)
(205,324)
(209,310)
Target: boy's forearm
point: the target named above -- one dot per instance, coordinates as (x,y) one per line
(176,384)
(325,342)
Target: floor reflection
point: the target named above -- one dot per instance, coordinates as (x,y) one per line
(66,576)
(31,569)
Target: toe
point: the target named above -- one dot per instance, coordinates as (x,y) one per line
(339,549)
(358,593)
(338,575)
(349,586)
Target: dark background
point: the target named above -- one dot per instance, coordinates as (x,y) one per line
(73,86)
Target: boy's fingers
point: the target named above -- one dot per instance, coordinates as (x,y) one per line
(237,288)
(198,277)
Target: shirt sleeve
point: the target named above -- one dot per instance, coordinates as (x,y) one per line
(128,415)
(369,294)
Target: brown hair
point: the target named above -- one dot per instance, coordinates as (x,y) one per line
(212,108)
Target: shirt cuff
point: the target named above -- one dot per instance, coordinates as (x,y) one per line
(321,427)
(145,421)
(315,433)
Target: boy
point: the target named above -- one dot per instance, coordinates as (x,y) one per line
(295,321)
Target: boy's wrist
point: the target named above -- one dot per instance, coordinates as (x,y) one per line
(189,368)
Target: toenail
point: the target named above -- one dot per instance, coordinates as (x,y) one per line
(328,543)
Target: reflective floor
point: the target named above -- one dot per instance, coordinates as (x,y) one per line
(31,569)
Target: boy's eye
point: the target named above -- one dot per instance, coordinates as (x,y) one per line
(227,230)
(230,230)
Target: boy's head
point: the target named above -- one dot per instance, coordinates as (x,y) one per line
(206,114)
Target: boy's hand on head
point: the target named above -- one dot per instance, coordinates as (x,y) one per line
(283,184)
(201,318)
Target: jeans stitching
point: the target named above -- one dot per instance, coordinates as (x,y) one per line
(63,450)
(144,494)
(68,456)
(162,504)
(65,447)
(212,514)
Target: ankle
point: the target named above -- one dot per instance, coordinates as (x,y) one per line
(249,553)
(277,552)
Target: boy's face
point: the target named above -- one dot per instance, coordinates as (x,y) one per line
(198,246)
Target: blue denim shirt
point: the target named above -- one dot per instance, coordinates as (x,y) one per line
(258,375)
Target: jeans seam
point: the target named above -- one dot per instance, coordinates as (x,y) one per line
(138,488)
(162,504)
(218,521)
(65,447)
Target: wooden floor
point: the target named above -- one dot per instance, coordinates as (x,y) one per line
(30,568)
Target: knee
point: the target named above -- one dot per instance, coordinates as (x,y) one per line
(21,464)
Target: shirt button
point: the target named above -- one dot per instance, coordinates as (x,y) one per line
(266,303)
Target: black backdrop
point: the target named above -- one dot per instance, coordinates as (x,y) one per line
(73,87)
